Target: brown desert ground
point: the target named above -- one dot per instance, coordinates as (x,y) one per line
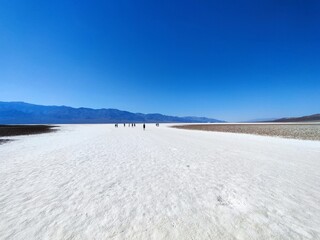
(15,130)
(295,131)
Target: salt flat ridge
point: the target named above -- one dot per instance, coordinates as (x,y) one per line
(100,182)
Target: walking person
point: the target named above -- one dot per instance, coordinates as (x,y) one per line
(144,126)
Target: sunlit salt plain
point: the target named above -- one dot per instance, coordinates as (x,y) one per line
(102,182)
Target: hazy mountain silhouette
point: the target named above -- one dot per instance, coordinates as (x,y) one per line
(309,118)
(26,113)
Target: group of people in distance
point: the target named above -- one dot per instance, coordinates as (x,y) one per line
(133,125)
(129,124)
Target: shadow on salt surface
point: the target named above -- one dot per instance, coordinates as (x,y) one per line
(2,141)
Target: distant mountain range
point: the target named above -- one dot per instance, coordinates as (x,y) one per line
(259,120)
(310,118)
(26,113)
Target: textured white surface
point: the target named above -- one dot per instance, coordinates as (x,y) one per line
(100,182)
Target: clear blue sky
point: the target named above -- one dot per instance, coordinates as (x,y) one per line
(232,60)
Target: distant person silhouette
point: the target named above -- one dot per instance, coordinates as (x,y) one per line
(124,124)
(144,126)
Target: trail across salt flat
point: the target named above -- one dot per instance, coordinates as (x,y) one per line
(101,182)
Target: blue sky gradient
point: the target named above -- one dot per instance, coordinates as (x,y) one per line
(232,60)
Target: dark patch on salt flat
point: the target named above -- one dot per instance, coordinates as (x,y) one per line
(2,141)
(16,130)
